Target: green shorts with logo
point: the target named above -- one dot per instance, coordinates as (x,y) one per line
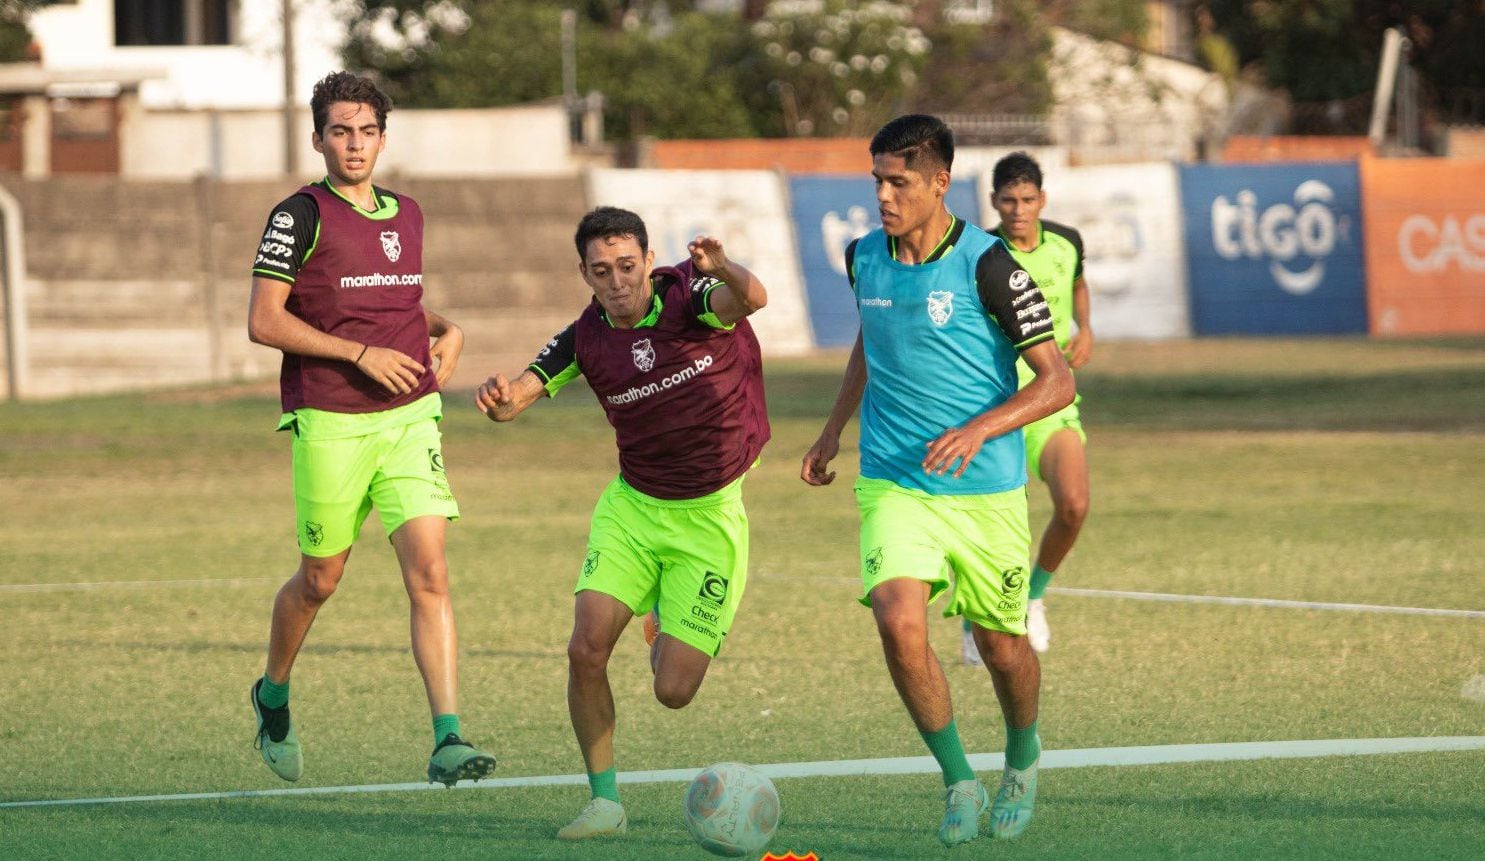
(345,463)
(1040,431)
(975,546)
(688,557)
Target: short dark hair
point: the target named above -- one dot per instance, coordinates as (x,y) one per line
(923,142)
(346,87)
(606,221)
(1014,168)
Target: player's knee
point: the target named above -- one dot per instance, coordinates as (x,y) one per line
(902,630)
(1073,510)
(1005,653)
(586,656)
(428,580)
(675,693)
(318,579)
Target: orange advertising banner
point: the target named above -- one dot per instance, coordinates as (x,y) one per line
(1425,245)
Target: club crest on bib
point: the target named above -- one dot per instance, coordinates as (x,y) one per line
(391,245)
(644,354)
(940,306)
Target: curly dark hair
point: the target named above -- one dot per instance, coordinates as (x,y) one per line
(347,87)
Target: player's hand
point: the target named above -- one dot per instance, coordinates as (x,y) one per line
(396,372)
(1080,349)
(954,444)
(445,353)
(812,471)
(494,393)
(707,256)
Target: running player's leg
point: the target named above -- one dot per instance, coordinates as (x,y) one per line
(704,551)
(598,620)
(331,479)
(1064,467)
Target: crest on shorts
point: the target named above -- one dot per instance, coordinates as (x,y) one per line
(435,460)
(590,563)
(1013,578)
(940,306)
(391,245)
(314,533)
(713,589)
(874,562)
(644,354)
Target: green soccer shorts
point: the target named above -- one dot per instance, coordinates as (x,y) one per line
(974,546)
(395,465)
(688,557)
(1040,431)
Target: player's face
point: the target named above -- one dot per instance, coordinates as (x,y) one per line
(906,198)
(1020,207)
(619,274)
(350,141)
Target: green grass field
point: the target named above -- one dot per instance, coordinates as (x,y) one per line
(1332,470)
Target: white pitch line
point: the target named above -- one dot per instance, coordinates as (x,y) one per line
(1266,602)
(131,584)
(1084,758)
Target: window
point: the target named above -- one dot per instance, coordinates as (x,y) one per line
(173,22)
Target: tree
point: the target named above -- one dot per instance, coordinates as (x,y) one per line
(1329,50)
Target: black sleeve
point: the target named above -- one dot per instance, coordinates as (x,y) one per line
(288,238)
(1074,238)
(851,263)
(1012,298)
(556,364)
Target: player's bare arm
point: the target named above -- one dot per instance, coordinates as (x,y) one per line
(271,324)
(813,471)
(1052,390)
(502,399)
(741,292)
(448,343)
(1080,346)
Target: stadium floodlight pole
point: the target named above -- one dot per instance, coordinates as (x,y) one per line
(1392,45)
(569,71)
(288,8)
(13,250)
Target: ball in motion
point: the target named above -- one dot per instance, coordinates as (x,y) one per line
(732,809)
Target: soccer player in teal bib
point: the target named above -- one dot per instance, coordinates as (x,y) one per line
(337,286)
(945,310)
(671,357)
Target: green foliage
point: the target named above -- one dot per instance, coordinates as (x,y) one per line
(1323,50)
(999,68)
(15,36)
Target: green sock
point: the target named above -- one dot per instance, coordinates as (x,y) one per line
(443,725)
(967,626)
(1022,747)
(1040,577)
(273,696)
(605,784)
(949,751)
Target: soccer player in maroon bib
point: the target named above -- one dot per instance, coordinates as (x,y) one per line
(338,288)
(671,357)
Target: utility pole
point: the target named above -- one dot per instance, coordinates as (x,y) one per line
(289,142)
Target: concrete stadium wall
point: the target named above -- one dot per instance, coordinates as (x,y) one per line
(145,284)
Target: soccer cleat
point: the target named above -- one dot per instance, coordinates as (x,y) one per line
(1037,629)
(964,804)
(1011,812)
(276,739)
(971,651)
(456,759)
(600,818)
(651,626)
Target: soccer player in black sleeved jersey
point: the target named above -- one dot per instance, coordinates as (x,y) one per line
(672,358)
(338,288)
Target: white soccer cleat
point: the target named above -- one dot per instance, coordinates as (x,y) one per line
(972,651)
(1037,629)
(600,818)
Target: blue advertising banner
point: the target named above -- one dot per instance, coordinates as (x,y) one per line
(1274,249)
(829,212)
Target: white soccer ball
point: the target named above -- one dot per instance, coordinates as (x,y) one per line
(732,809)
